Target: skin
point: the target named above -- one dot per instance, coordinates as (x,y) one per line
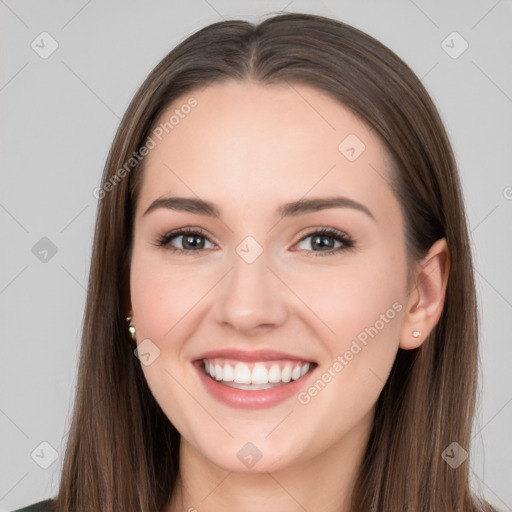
(249,148)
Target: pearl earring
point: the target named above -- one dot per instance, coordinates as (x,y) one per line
(131,328)
(416,334)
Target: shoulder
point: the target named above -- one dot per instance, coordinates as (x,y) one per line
(40,506)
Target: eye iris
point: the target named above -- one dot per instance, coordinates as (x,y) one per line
(188,245)
(323,238)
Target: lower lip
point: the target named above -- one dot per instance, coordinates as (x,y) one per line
(251,399)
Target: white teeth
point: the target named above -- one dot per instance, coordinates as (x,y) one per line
(261,375)
(274,374)
(242,374)
(229,374)
(286,374)
(296,372)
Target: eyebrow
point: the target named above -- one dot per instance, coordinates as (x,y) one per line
(292,209)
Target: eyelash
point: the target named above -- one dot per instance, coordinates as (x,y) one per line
(339,236)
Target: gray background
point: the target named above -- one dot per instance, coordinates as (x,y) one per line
(59,116)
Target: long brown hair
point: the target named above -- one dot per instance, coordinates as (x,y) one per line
(122,451)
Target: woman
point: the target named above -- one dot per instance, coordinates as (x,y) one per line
(223,364)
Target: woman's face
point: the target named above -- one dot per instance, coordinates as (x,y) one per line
(260,294)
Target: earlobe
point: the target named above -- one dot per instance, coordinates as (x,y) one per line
(426,297)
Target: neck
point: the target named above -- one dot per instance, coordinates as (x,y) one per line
(324,482)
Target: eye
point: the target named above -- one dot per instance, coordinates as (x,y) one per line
(190,239)
(193,240)
(325,238)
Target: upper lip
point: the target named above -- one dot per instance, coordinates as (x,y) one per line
(250,355)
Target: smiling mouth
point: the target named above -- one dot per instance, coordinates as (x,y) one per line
(255,375)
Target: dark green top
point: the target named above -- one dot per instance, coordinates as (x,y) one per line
(40,506)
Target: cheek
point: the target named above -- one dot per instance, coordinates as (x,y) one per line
(356,296)
(161,298)
(161,293)
(150,300)
(363,306)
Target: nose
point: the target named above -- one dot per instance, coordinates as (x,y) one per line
(251,298)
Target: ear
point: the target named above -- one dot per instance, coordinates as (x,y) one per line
(426,296)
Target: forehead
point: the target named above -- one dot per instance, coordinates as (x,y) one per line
(255,144)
